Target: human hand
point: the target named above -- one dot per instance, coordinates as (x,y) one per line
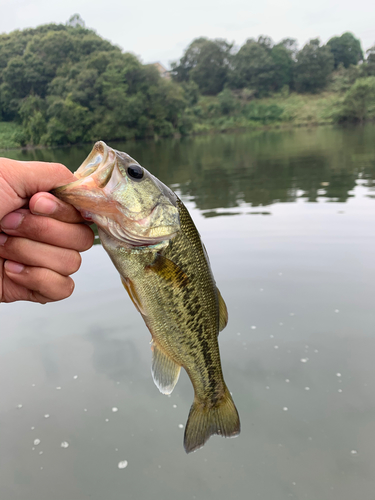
(38,253)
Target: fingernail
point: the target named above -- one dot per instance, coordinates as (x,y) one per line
(12,220)
(13,267)
(3,238)
(45,206)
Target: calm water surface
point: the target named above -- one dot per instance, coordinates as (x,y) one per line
(288,219)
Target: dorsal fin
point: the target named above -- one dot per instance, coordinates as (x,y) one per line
(223,312)
(165,371)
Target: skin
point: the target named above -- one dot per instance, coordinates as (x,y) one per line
(41,237)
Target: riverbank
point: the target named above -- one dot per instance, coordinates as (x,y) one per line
(229,113)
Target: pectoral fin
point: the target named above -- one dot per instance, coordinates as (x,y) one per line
(223,312)
(165,371)
(129,287)
(169,271)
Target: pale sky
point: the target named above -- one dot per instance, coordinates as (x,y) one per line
(160,30)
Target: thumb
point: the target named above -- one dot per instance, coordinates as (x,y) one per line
(19,180)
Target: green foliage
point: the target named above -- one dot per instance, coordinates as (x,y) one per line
(346,49)
(358,102)
(262,66)
(262,112)
(313,67)
(65,84)
(206,62)
(227,102)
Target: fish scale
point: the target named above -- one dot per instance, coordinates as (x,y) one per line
(153,243)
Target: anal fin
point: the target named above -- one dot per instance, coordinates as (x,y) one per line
(165,371)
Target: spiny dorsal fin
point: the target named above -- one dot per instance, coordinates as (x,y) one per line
(165,371)
(223,312)
(169,271)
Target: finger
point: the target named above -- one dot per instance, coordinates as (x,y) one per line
(35,284)
(47,204)
(30,177)
(22,223)
(33,253)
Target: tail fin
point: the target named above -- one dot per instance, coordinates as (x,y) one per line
(203,422)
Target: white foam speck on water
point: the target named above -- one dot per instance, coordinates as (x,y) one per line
(291,314)
(307,388)
(116,449)
(32,428)
(285,408)
(75,377)
(180,426)
(287,380)
(64,444)
(40,453)
(339,390)
(337,310)
(338,374)
(267,386)
(253,327)
(294,483)
(316,350)
(32,385)
(33,448)
(280,274)
(304,360)
(19,406)
(118,383)
(354,452)
(114,409)
(174,406)
(261,289)
(85,409)
(46,415)
(36,442)
(275,346)
(41,468)
(58,388)
(272,336)
(123,464)
(281,324)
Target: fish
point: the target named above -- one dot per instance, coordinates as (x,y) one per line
(153,243)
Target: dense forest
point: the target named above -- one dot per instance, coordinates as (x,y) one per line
(64,84)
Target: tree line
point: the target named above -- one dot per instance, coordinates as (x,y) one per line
(64,84)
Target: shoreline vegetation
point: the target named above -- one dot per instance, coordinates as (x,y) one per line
(63,84)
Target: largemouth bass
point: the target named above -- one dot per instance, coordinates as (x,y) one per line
(155,246)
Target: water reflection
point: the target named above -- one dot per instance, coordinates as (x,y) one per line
(228,171)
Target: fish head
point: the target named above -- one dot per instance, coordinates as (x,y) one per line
(125,200)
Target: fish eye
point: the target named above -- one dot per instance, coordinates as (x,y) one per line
(135,172)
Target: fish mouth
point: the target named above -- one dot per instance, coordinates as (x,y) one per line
(86,193)
(93,195)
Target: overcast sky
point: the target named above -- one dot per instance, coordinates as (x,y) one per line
(160,30)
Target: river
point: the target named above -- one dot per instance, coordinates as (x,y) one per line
(288,220)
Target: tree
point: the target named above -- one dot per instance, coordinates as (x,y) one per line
(253,66)
(206,62)
(346,49)
(358,100)
(313,66)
